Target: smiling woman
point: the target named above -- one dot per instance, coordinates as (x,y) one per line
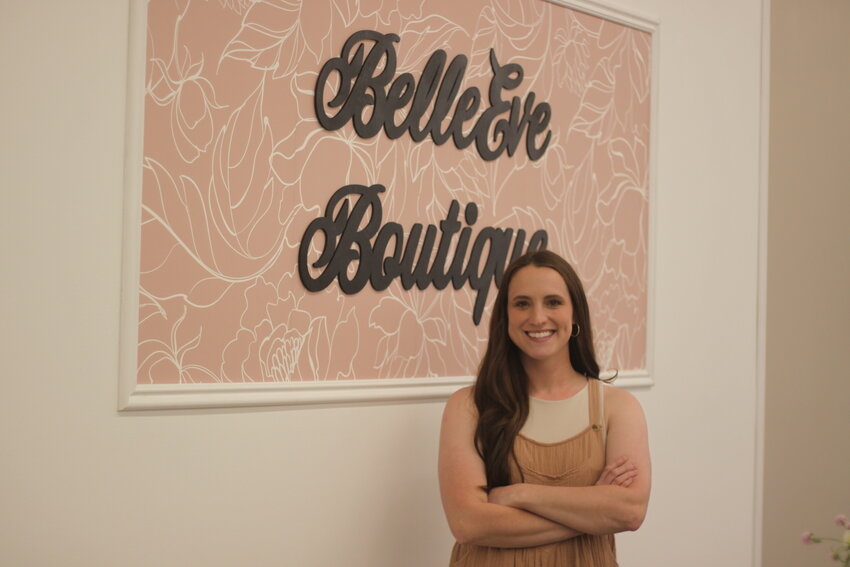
(511,494)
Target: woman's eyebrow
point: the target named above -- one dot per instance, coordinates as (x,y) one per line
(549,296)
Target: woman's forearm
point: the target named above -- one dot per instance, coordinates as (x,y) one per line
(495,525)
(588,509)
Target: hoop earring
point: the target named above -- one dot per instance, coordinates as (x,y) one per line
(576,330)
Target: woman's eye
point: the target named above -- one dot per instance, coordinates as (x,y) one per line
(555,302)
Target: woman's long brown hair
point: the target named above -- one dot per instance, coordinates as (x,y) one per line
(501,388)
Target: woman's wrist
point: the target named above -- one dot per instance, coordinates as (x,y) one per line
(520,495)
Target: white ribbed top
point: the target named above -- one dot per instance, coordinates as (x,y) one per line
(550,421)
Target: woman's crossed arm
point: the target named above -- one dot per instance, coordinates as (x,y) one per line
(610,508)
(519,515)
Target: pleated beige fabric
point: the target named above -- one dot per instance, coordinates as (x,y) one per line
(577,461)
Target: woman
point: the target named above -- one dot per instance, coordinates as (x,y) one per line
(540,463)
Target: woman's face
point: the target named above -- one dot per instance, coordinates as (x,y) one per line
(540,314)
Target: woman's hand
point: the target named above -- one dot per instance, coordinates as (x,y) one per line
(621,472)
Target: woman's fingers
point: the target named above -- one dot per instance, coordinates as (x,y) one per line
(619,467)
(621,472)
(608,473)
(626,478)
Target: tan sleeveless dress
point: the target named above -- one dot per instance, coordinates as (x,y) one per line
(577,461)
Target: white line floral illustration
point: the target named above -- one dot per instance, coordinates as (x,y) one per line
(236,167)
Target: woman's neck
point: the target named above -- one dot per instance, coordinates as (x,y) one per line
(552,381)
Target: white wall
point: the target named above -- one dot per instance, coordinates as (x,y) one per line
(807,436)
(81,484)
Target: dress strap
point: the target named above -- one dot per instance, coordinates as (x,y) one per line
(597,408)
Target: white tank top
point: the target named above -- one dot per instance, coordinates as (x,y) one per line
(550,421)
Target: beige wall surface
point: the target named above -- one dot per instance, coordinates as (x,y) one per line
(807,418)
(353,486)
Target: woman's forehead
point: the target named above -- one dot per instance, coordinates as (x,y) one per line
(537,280)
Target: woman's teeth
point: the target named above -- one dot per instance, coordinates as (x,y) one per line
(540,334)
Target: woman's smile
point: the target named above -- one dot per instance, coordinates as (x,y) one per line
(540,335)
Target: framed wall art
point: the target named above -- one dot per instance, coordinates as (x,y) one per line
(321,196)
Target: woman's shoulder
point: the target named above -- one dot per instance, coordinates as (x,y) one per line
(618,399)
(463,393)
(460,414)
(462,400)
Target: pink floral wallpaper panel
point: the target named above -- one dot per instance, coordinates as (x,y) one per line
(236,166)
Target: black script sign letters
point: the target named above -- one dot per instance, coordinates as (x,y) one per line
(358,248)
(371,99)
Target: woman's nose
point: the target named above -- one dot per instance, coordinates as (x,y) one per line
(537,314)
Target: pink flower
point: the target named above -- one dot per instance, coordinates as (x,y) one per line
(841,520)
(808,538)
